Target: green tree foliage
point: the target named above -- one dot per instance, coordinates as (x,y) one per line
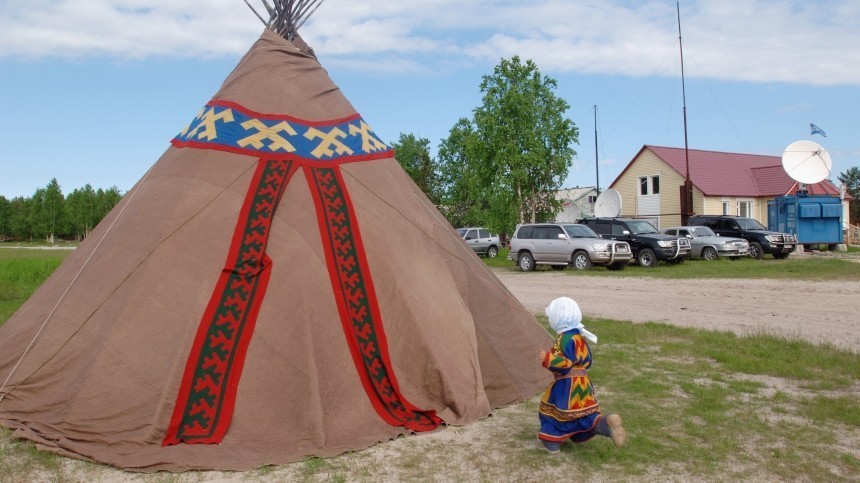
(414,155)
(84,213)
(524,141)
(47,214)
(851,178)
(5,212)
(20,227)
(461,199)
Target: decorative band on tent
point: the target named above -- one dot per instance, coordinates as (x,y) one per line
(227,126)
(357,303)
(204,406)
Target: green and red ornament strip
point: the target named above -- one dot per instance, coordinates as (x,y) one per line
(204,406)
(356,301)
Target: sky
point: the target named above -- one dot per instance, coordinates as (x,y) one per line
(92,91)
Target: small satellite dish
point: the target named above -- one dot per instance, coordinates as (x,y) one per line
(571,214)
(806,162)
(608,204)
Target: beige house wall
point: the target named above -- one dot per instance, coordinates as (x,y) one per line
(648,164)
(713,205)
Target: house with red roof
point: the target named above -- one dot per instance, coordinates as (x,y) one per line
(723,183)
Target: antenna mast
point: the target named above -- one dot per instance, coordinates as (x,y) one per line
(687,190)
(596,164)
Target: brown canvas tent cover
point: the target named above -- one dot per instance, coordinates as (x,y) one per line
(275,287)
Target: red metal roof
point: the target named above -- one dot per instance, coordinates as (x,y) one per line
(732,174)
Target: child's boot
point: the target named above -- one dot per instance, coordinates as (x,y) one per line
(549,446)
(611,427)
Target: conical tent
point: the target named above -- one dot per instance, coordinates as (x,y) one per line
(275,287)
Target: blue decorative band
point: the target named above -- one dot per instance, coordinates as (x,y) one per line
(227,126)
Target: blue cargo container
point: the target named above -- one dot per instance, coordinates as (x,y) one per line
(813,219)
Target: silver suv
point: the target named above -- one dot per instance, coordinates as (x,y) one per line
(563,244)
(481,241)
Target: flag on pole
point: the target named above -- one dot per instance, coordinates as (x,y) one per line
(816,130)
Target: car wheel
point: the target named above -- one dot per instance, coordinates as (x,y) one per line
(756,251)
(709,253)
(617,266)
(492,252)
(526,262)
(581,261)
(646,258)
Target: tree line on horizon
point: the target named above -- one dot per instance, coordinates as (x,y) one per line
(49,215)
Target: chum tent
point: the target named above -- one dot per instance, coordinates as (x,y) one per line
(275,287)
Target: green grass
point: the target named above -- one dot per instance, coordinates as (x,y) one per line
(698,405)
(22,271)
(794,268)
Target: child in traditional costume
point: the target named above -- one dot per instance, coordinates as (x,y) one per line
(568,408)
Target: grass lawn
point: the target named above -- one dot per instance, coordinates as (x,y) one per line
(698,405)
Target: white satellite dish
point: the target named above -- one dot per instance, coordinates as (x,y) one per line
(806,162)
(608,204)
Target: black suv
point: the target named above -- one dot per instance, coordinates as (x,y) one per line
(762,241)
(648,245)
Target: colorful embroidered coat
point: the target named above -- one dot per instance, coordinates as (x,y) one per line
(569,408)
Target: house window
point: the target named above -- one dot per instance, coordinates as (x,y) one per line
(649,185)
(745,208)
(727,207)
(592,199)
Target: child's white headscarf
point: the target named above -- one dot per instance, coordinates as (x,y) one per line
(564,314)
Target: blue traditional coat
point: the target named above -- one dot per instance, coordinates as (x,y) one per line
(568,408)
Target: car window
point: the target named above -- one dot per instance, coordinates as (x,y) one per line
(671,232)
(470,235)
(727,225)
(553,232)
(462,231)
(638,227)
(483,233)
(682,233)
(750,224)
(617,229)
(579,231)
(702,231)
(525,232)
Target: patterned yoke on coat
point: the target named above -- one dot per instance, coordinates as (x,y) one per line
(569,408)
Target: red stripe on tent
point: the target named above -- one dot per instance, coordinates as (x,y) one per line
(206,398)
(356,301)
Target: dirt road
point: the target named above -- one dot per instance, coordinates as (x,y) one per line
(820,311)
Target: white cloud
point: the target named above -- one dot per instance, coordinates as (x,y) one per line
(755,40)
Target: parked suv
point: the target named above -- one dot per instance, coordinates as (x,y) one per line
(563,244)
(649,246)
(481,241)
(762,241)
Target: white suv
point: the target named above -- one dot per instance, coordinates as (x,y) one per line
(481,241)
(563,244)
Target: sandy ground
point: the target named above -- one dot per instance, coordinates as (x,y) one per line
(820,311)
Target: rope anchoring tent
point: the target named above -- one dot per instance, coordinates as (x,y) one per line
(287,16)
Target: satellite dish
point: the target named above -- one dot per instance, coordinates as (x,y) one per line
(570,213)
(806,162)
(608,204)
